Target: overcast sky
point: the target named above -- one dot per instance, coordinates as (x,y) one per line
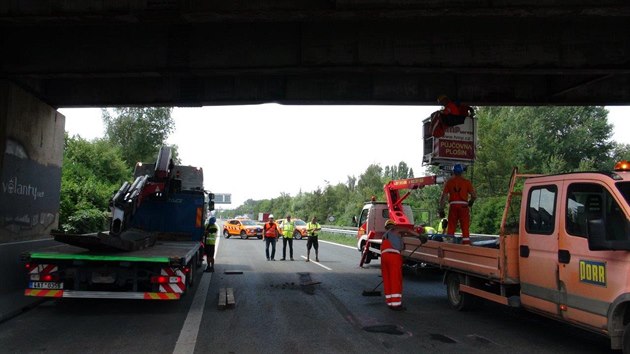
(260,151)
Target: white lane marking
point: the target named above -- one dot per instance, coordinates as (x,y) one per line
(319,264)
(339,244)
(188,335)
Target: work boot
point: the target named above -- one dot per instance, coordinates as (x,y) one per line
(308,260)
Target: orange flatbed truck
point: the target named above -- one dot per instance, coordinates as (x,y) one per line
(563,252)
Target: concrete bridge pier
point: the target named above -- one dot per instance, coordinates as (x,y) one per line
(31,153)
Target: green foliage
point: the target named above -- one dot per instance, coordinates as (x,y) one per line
(486,215)
(92,171)
(138,132)
(534,139)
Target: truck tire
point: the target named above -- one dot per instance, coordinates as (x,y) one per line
(625,341)
(368,258)
(459,301)
(297,235)
(226,233)
(243,235)
(190,279)
(199,258)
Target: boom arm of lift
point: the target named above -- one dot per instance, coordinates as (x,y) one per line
(396,213)
(394,199)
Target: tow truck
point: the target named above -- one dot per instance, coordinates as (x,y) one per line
(151,251)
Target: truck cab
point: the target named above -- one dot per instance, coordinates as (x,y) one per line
(372,219)
(574,257)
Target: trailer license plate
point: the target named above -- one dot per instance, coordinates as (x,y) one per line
(103,278)
(45,285)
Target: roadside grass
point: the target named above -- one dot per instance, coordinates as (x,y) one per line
(341,239)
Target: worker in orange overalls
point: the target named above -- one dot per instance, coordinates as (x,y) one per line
(391,266)
(450,115)
(457,189)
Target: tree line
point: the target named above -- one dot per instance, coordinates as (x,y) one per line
(534,139)
(544,140)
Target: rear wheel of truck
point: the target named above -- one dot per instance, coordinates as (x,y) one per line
(226,233)
(625,341)
(458,300)
(190,278)
(243,235)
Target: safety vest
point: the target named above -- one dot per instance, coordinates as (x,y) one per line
(429,230)
(211,234)
(311,227)
(271,230)
(287,228)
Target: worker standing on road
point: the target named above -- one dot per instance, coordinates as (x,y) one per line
(287,237)
(270,236)
(457,189)
(211,236)
(312,230)
(391,266)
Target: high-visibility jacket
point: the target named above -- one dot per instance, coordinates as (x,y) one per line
(287,228)
(211,234)
(271,230)
(429,230)
(311,228)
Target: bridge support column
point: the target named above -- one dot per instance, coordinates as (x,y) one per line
(31,153)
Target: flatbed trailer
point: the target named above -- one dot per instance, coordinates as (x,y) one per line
(162,272)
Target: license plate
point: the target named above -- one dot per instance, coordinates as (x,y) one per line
(45,285)
(103,278)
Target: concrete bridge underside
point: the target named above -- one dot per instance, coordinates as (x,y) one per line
(190,53)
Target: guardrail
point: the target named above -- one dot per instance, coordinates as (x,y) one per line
(350,232)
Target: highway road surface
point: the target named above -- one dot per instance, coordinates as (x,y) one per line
(290,307)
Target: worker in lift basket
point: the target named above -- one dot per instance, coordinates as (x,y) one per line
(391,265)
(457,189)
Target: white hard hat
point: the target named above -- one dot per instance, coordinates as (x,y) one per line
(271,216)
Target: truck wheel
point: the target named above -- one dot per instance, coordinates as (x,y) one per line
(460,301)
(625,341)
(199,257)
(226,233)
(190,279)
(297,235)
(368,258)
(243,235)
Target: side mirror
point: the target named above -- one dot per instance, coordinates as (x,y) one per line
(354,221)
(210,205)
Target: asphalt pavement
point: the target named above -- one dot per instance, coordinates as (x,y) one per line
(289,307)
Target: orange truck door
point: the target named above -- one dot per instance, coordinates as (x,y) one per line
(538,250)
(589,280)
